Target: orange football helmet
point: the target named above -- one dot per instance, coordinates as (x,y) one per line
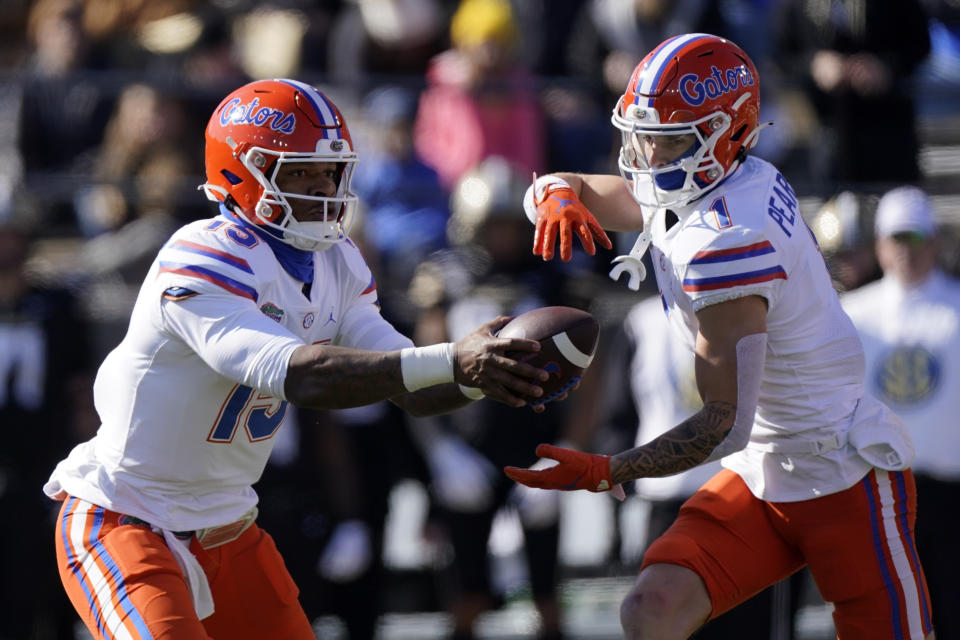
(256,129)
(696,84)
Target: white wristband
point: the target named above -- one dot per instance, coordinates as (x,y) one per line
(474,393)
(541,184)
(426,366)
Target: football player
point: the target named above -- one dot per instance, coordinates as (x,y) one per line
(266,304)
(816,470)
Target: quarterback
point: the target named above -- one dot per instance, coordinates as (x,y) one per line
(266,304)
(816,471)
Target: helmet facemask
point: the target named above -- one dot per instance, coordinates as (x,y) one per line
(251,138)
(275,211)
(683,180)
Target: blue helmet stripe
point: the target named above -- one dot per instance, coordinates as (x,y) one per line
(321,106)
(659,61)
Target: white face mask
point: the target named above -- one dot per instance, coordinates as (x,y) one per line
(677,183)
(339,209)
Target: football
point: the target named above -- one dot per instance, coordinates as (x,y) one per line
(568,341)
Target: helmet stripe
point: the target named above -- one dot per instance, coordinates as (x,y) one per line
(659,59)
(321,106)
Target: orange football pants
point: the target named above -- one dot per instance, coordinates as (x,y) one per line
(858,544)
(126,584)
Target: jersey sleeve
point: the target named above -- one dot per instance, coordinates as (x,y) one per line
(211,260)
(734,264)
(208,278)
(233,338)
(363,326)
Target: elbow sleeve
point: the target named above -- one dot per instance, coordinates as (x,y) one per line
(751,353)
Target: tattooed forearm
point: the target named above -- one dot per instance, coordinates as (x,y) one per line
(683,447)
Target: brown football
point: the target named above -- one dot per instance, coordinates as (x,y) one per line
(568,340)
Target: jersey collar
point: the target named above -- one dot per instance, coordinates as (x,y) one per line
(297,262)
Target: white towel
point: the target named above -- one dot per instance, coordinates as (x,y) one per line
(196,578)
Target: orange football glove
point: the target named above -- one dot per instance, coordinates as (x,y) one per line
(560,210)
(576,470)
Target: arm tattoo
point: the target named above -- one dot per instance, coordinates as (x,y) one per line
(683,447)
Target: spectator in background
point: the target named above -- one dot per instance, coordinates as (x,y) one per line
(909,323)
(841,227)
(479,100)
(405,208)
(141,187)
(377,38)
(144,125)
(45,407)
(62,113)
(486,273)
(941,72)
(856,60)
(611,35)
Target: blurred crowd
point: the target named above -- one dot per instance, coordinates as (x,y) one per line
(452,105)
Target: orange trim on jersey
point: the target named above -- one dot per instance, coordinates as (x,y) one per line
(216,254)
(370,287)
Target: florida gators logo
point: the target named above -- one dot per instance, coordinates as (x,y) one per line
(272,311)
(552,368)
(253,113)
(694,89)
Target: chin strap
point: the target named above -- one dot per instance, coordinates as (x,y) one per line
(210,190)
(632,263)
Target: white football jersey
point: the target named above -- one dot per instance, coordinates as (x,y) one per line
(192,398)
(911,338)
(747,237)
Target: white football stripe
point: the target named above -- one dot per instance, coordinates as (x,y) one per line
(899,555)
(570,351)
(98,584)
(650,73)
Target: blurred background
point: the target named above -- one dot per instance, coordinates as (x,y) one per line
(452,104)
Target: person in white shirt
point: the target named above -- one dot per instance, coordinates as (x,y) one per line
(267,304)
(816,470)
(909,323)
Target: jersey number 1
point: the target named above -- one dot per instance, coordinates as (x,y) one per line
(260,415)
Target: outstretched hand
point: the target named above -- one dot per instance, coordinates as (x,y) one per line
(481,360)
(560,211)
(575,470)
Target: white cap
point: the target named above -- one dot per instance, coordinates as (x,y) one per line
(905,209)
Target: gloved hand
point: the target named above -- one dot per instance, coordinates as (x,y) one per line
(559,210)
(576,470)
(460,475)
(538,509)
(347,554)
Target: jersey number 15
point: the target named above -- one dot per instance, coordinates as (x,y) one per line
(260,415)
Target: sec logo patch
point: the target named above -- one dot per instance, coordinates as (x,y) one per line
(908,375)
(308,320)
